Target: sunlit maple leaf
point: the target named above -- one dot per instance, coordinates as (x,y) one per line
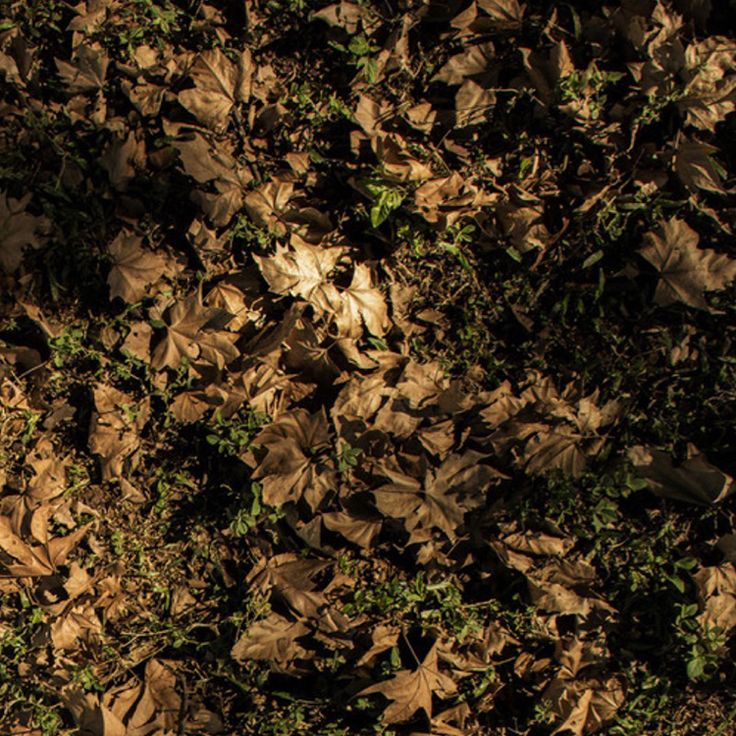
(187,336)
(273,639)
(290,467)
(220,85)
(685,270)
(361,303)
(435,502)
(412,690)
(134,268)
(303,271)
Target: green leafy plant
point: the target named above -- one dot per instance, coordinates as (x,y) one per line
(386,199)
(454,238)
(230,436)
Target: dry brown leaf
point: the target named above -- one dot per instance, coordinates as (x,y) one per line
(361,304)
(188,337)
(584,706)
(290,468)
(412,690)
(18,230)
(114,429)
(86,72)
(358,531)
(121,158)
(473,61)
(441,499)
(504,13)
(473,103)
(134,269)
(273,638)
(303,271)
(220,86)
(382,638)
(291,578)
(694,481)
(695,168)
(709,70)
(685,270)
(138,341)
(206,163)
(31,562)
(268,203)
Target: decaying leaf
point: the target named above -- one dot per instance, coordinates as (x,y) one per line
(302,270)
(220,85)
(134,268)
(695,480)
(361,304)
(412,690)
(19,230)
(114,429)
(290,467)
(191,334)
(273,639)
(685,270)
(696,167)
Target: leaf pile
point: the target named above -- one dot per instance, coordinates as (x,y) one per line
(367,369)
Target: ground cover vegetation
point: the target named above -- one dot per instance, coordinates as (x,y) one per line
(367,368)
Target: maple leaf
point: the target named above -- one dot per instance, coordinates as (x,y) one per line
(473,103)
(685,270)
(695,480)
(708,68)
(18,231)
(361,303)
(696,169)
(267,203)
(87,71)
(291,578)
(474,60)
(584,705)
(288,469)
(120,159)
(220,85)
(187,337)
(434,503)
(134,268)
(412,690)
(114,428)
(273,638)
(302,271)
(207,163)
(503,13)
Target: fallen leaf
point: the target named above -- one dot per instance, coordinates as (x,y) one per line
(19,230)
(134,268)
(220,85)
(273,639)
(412,690)
(361,304)
(696,168)
(694,481)
(685,270)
